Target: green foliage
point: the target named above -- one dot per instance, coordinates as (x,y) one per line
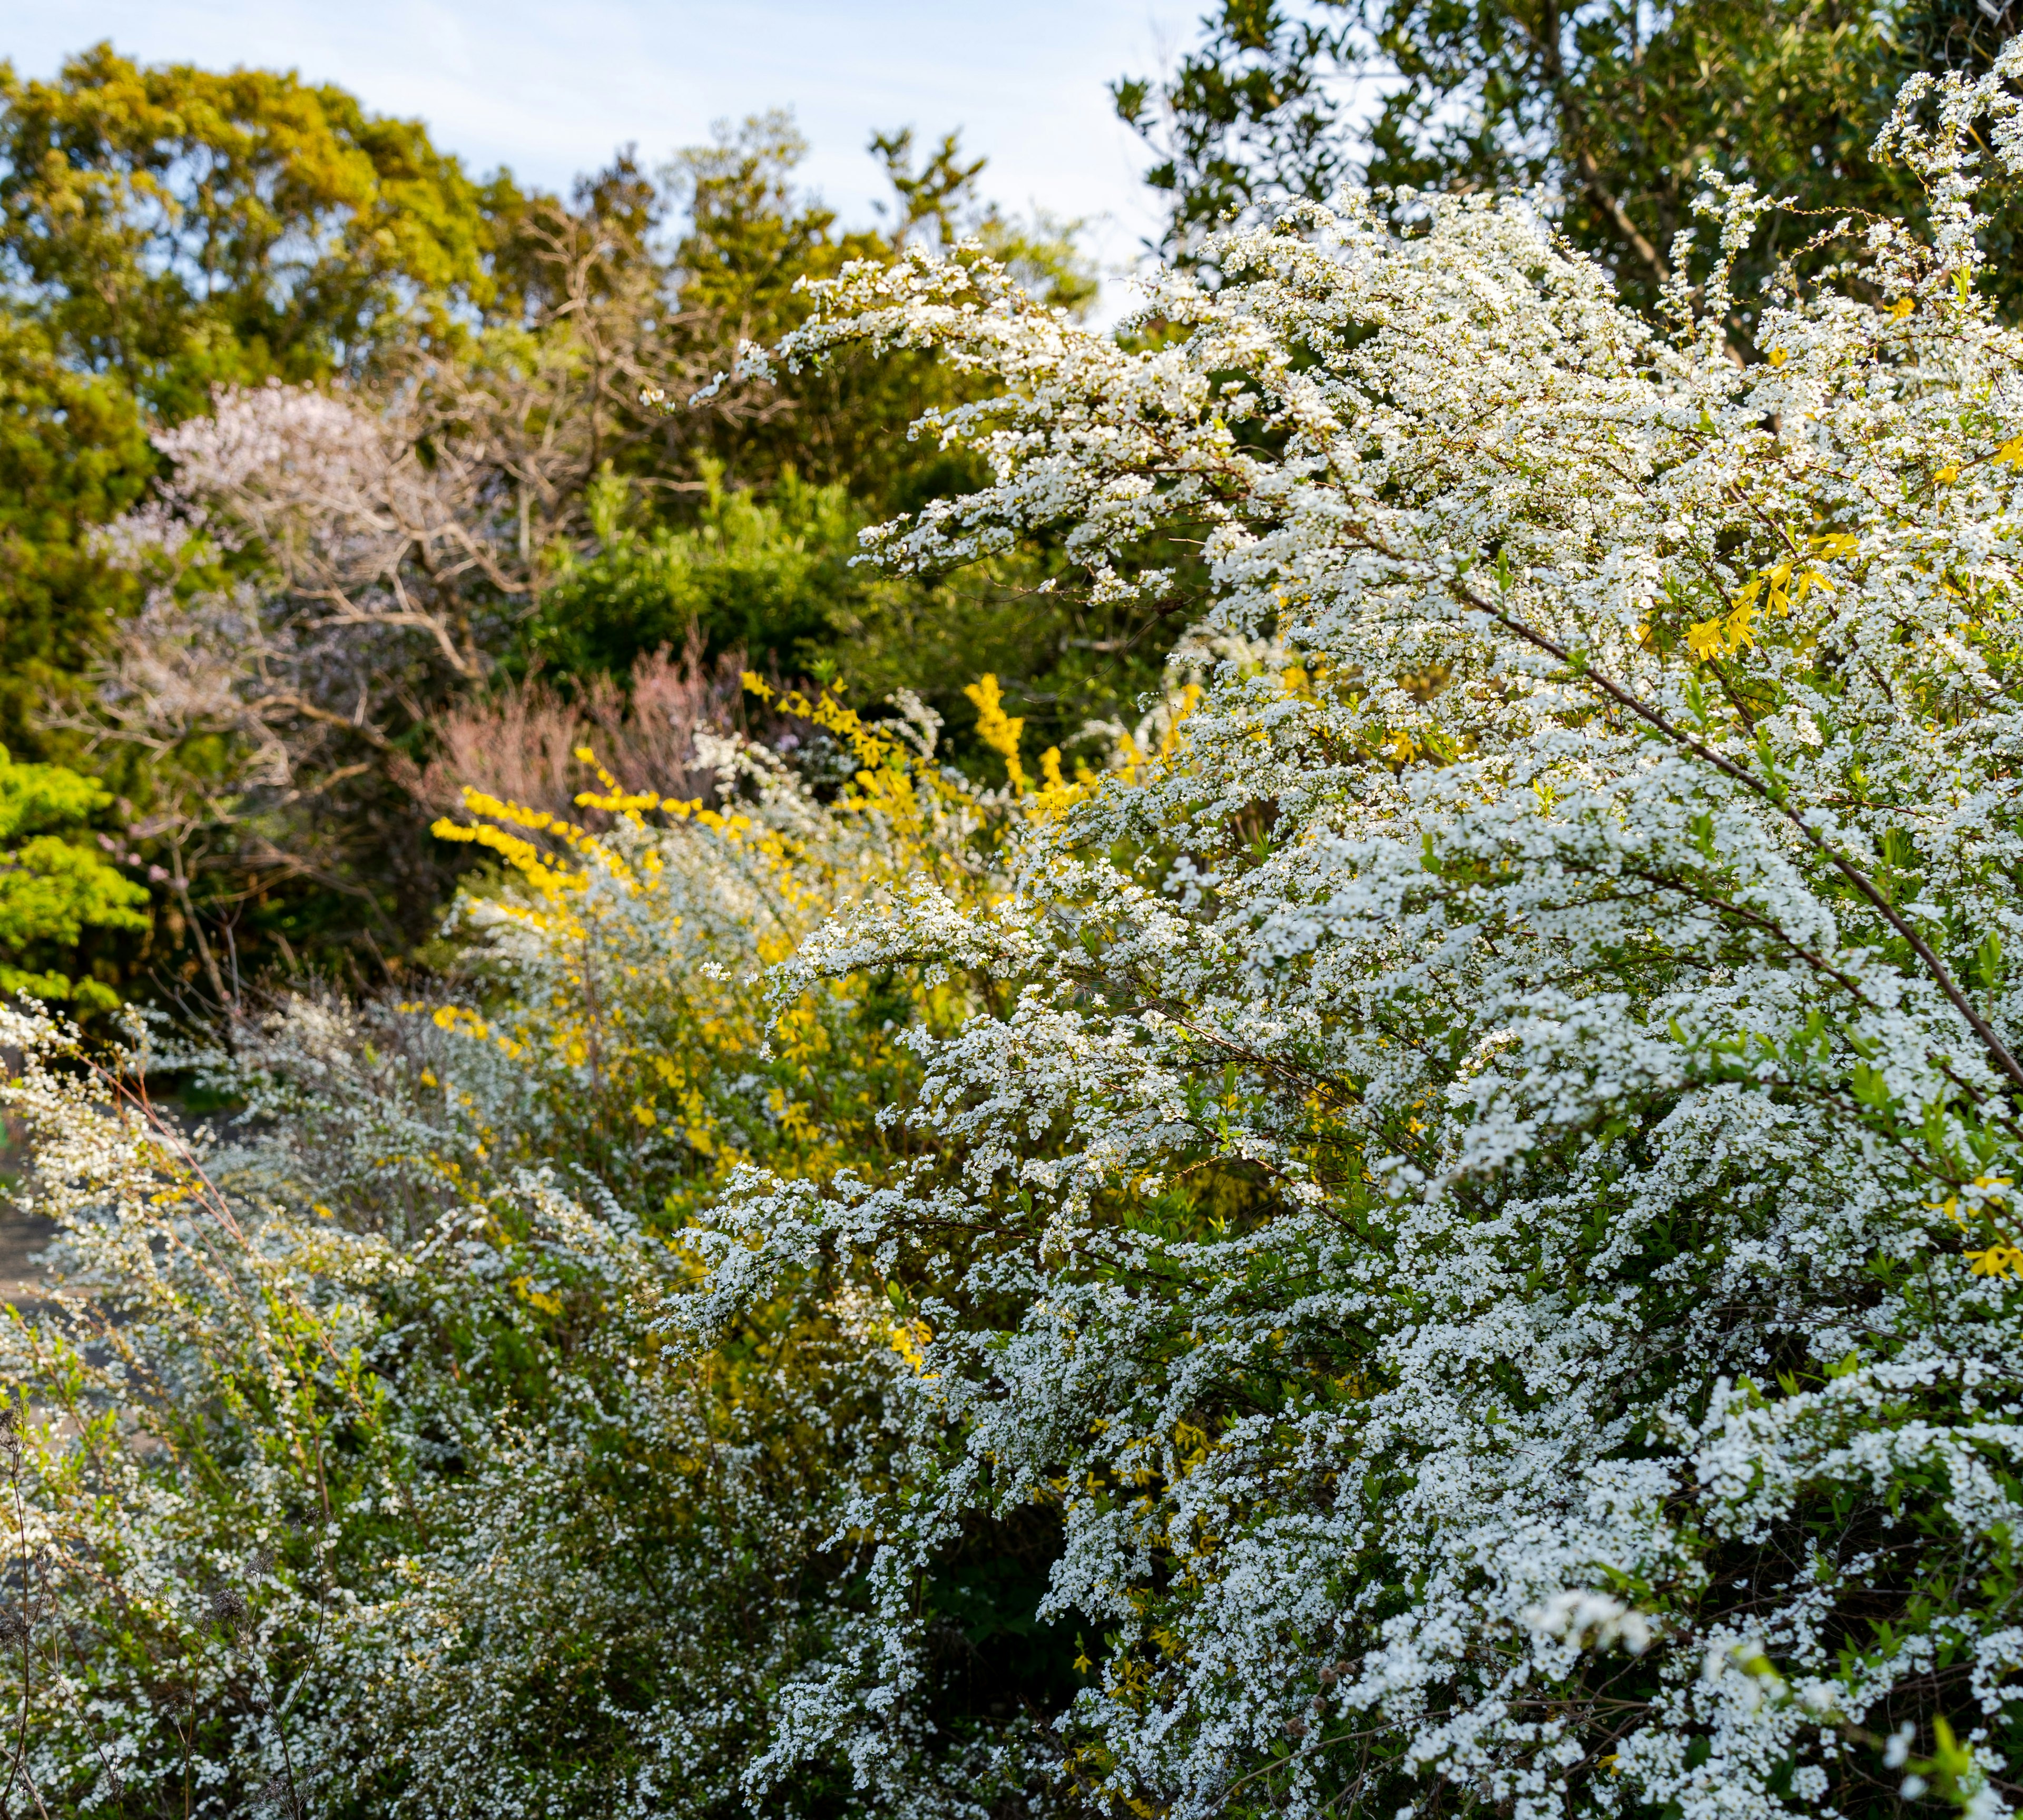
(753,238)
(763,574)
(54,886)
(778,576)
(166,231)
(73,453)
(1615,106)
(185,228)
(1249,115)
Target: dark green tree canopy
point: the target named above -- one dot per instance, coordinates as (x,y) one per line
(1613,106)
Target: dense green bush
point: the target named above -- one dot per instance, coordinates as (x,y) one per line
(55,882)
(769,577)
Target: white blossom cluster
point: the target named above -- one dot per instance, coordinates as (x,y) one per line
(1489,1209)
(344,1469)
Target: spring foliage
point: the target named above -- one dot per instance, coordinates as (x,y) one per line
(54,884)
(1466,1180)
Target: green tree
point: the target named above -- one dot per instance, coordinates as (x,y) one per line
(753,238)
(764,575)
(182,227)
(1616,106)
(74,453)
(55,884)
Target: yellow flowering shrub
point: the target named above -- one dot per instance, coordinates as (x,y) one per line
(396,1480)
(616,976)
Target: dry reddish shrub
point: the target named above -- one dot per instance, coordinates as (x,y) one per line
(519,743)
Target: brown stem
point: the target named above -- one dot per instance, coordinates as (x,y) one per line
(1628,700)
(179,882)
(21,1529)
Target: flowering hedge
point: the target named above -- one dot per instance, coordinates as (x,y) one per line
(350,1469)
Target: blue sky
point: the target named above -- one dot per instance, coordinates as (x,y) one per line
(551,88)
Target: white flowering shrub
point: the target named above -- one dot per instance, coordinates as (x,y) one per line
(1488,1204)
(1454,1210)
(350,1470)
